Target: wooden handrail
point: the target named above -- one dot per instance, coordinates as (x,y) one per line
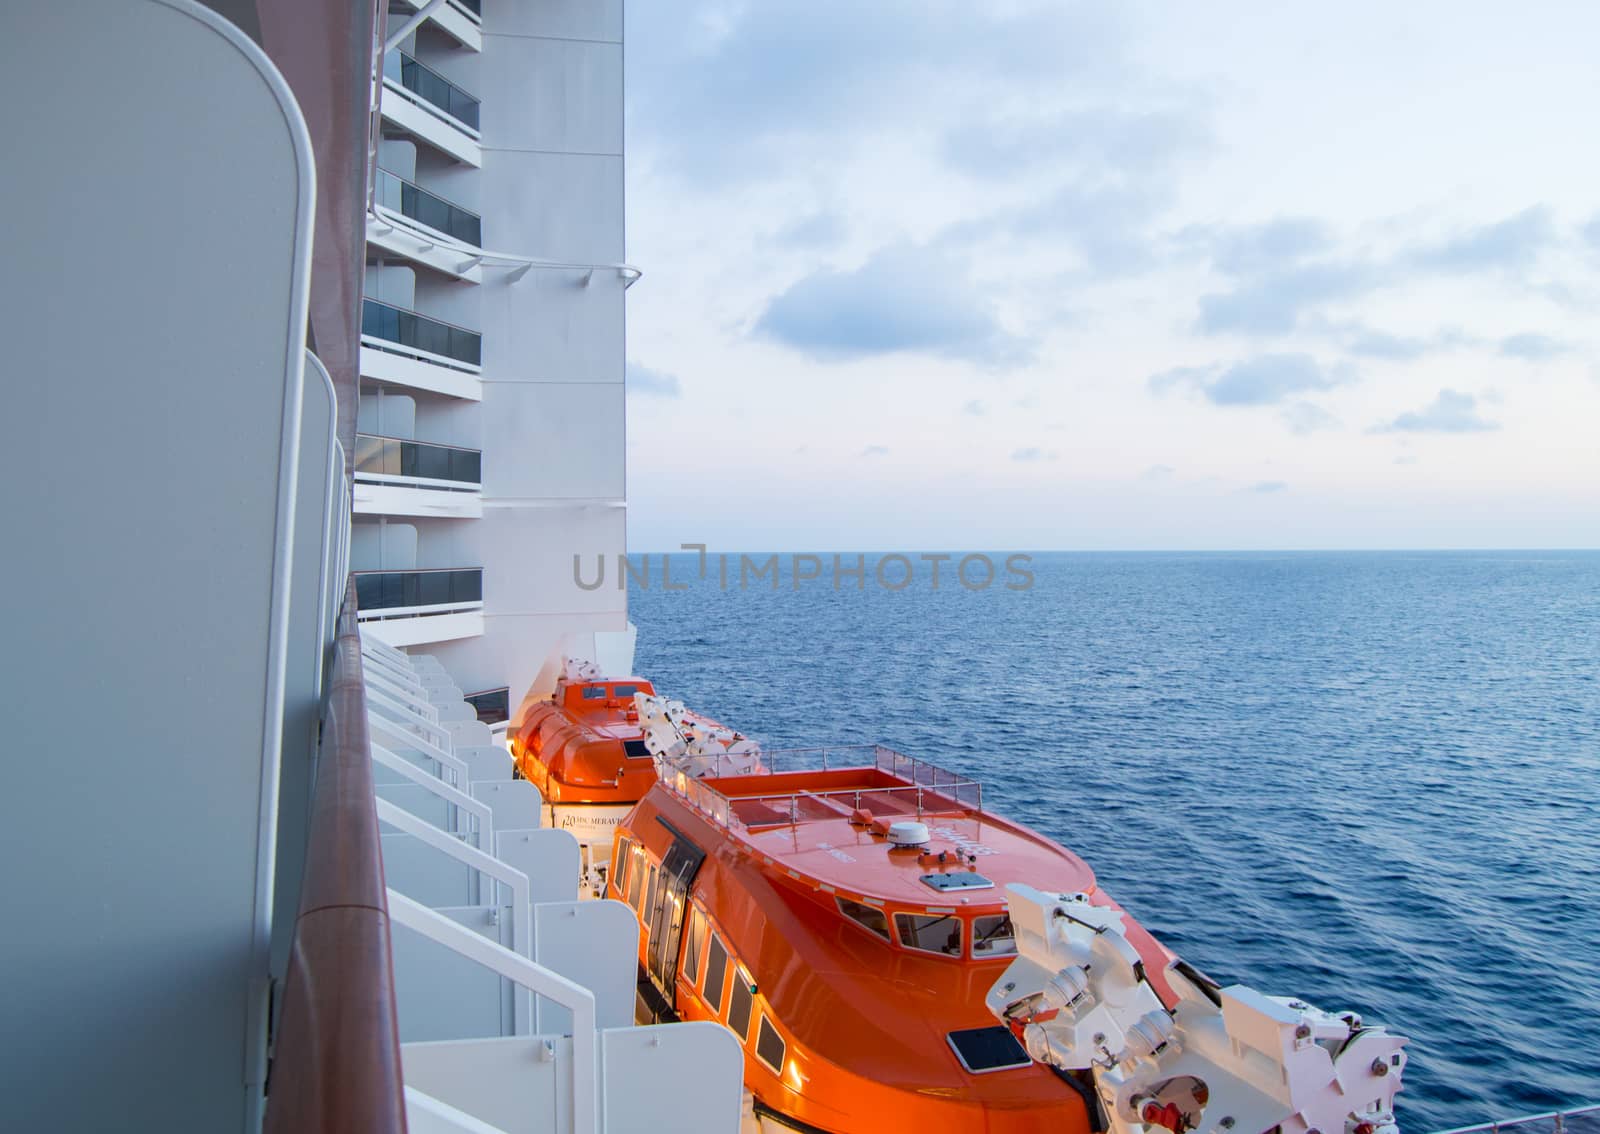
(336,1065)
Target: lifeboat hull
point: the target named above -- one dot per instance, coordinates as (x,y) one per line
(844,1031)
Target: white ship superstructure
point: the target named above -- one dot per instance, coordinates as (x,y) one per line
(490,434)
(317,326)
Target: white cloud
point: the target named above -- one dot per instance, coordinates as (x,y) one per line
(904,298)
(1053,200)
(1450,412)
(644,381)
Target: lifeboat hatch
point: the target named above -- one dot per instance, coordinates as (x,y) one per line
(982,1050)
(635,749)
(667,907)
(957,880)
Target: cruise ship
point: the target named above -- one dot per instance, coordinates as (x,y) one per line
(315,313)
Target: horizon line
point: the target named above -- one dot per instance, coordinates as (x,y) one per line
(710,550)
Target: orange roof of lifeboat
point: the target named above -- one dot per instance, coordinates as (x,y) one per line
(847,924)
(586,745)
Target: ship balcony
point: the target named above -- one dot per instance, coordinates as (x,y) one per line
(410,608)
(408,348)
(461,20)
(429,107)
(416,224)
(493,706)
(395,476)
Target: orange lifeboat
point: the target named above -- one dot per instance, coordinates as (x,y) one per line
(584,749)
(844,914)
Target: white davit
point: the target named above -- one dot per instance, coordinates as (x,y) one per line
(578,670)
(1221,1061)
(681,743)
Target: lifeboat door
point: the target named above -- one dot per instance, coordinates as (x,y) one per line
(671,906)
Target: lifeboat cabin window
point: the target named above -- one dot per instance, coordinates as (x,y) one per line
(624,692)
(691,948)
(992,936)
(635,880)
(934,933)
(739,1004)
(770,1046)
(716,970)
(594,692)
(624,850)
(649,894)
(867,917)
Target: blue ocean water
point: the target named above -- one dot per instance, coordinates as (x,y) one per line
(1368,779)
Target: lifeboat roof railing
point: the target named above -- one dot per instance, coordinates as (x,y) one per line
(925,788)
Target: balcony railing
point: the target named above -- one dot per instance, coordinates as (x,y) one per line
(432,87)
(412,200)
(419,332)
(493,705)
(390,590)
(396,456)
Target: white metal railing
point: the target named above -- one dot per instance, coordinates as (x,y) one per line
(455,800)
(425,726)
(488,866)
(439,113)
(465,488)
(481,861)
(396,689)
(432,610)
(400,350)
(924,787)
(408,700)
(398,35)
(428,1115)
(527,975)
(1578,1120)
(403,678)
(422,720)
(460,776)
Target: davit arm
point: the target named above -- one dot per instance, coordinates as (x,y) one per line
(1219,1061)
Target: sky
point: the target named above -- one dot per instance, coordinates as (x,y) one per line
(941,275)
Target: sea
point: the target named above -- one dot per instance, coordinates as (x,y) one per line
(1369,779)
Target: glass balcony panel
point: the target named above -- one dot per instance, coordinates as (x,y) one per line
(369,454)
(407,328)
(369,591)
(433,588)
(493,705)
(432,87)
(392,456)
(430,461)
(380,590)
(410,200)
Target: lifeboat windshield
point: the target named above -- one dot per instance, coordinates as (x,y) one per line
(589,696)
(931,933)
(992,936)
